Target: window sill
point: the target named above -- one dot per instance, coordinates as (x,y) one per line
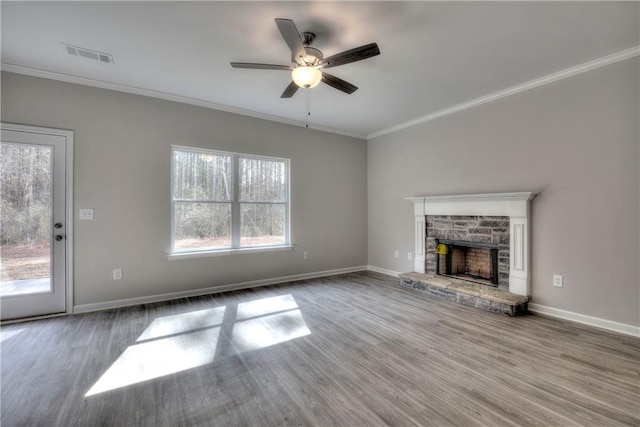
(223,252)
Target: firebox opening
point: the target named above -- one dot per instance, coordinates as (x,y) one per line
(472,261)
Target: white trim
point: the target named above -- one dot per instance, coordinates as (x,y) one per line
(532,84)
(68,135)
(84,308)
(27,71)
(30,319)
(69,224)
(523,195)
(517,256)
(549,78)
(383,271)
(224,153)
(496,204)
(597,322)
(223,252)
(420,248)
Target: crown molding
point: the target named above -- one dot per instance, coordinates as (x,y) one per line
(550,78)
(167,97)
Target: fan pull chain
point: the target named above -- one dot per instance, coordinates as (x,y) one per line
(308,107)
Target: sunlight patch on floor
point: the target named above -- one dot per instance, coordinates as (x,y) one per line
(172,344)
(183,323)
(269,330)
(260,307)
(5,335)
(158,358)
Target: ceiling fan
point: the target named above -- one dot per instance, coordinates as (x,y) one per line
(307,62)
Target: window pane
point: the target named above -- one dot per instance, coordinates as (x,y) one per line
(202,225)
(262,180)
(201,176)
(262,224)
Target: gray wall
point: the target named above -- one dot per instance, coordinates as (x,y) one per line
(575,141)
(122,169)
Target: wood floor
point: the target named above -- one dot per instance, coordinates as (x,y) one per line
(351,350)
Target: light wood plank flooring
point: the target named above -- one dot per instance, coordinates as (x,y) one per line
(351,350)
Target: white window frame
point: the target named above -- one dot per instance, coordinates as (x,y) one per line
(235,208)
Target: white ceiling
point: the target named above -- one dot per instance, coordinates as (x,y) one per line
(435,55)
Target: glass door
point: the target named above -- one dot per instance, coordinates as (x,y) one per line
(33,245)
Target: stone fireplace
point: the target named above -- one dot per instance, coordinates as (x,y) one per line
(474,248)
(483,238)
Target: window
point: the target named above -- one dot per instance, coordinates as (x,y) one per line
(223,201)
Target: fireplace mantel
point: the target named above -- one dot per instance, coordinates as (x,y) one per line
(513,205)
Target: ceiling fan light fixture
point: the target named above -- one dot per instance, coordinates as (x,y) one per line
(306,61)
(306,77)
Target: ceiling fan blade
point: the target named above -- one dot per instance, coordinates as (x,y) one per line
(290,90)
(338,83)
(291,35)
(260,66)
(351,55)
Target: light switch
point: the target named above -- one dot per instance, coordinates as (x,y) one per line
(86,214)
(557,280)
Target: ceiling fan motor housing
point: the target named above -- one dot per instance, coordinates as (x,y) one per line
(312,57)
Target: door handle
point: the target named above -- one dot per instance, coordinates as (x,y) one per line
(58,225)
(59,237)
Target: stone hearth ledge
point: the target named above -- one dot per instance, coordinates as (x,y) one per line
(483,297)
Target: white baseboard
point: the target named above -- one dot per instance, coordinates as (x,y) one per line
(543,310)
(383,271)
(610,325)
(534,308)
(84,308)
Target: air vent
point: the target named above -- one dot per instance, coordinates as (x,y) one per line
(88,53)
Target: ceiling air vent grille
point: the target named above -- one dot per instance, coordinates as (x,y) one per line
(88,53)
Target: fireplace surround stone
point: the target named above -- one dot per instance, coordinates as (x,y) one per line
(489,230)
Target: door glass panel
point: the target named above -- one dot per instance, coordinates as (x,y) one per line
(25,220)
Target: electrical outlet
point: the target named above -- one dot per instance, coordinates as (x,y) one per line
(305,255)
(117,274)
(557,280)
(396,253)
(85,214)
(409,256)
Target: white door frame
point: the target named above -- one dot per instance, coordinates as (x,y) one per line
(68,136)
